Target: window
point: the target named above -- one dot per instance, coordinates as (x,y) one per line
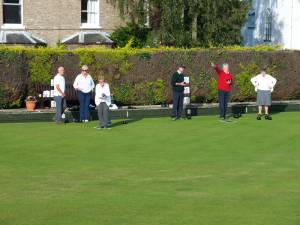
(251,19)
(90,13)
(147,19)
(268,26)
(12,11)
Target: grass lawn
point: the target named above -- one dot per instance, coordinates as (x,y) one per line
(152,172)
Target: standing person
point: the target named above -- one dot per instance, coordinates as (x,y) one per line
(178,85)
(225,81)
(59,94)
(103,101)
(84,86)
(264,85)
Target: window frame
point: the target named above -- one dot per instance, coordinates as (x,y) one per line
(251,23)
(268,26)
(13,25)
(88,25)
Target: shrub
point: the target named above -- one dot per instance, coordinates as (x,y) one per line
(212,93)
(137,35)
(142,76)
(123,94)
(242,80)
(144,93)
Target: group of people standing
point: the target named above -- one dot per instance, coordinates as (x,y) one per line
(263,83)
(84,86)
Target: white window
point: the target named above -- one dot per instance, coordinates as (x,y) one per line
(90,13)
(251,19)
(12,13)
(147,7)
(268,26)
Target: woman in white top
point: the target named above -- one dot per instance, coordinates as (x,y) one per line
(103,101)
(84,86)
(264,85)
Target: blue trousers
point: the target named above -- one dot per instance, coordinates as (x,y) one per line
(223,102)
(177,104)
(84,101)
(61,104)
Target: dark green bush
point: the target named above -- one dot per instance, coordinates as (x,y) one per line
(132,32)
(142,76)
(145,93)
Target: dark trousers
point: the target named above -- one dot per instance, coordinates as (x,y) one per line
(223,102)
(103,114)
(61,104)
(84,101)
(177,104)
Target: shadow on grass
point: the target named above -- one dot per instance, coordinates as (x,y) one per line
(124,122)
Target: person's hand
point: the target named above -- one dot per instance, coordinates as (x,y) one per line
(213,65)
(63,95)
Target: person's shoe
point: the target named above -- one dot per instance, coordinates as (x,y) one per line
(268,117)
(107,128)
(99,128)
(85,121)
(178,118)
(174,119)
(258,116)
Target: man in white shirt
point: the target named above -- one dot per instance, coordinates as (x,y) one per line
(264,85)
(59,94)
(102,101)
(84,86)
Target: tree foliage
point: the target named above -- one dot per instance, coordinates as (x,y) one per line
(186,23)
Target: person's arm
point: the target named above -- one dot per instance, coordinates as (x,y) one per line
(75,84)
(173,80)
(254,81)
(107,91)
(231,80)
(180,84)
(273,82)
(218,70)
(97,96)
(60,91)
(174,83)
(92,83)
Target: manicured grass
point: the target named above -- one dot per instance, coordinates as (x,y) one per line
(152,172)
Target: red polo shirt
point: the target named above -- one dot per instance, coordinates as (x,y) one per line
(223,79)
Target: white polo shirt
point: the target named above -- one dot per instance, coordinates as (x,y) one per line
(264,83)
(60,81)
(83,83)
(100,91)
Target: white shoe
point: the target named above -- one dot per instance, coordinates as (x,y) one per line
(86,121)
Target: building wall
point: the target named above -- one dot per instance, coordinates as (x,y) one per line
(285,24)
(1,13)
(54,20)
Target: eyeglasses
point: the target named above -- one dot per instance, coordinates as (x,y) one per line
(84,70)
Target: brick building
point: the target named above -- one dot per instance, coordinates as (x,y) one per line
(49,22)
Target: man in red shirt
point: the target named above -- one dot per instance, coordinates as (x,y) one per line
(225,80)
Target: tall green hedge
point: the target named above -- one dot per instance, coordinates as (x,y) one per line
(142,76)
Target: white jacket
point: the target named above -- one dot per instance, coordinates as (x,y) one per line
(84,83)
(102,94)
(264,83)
